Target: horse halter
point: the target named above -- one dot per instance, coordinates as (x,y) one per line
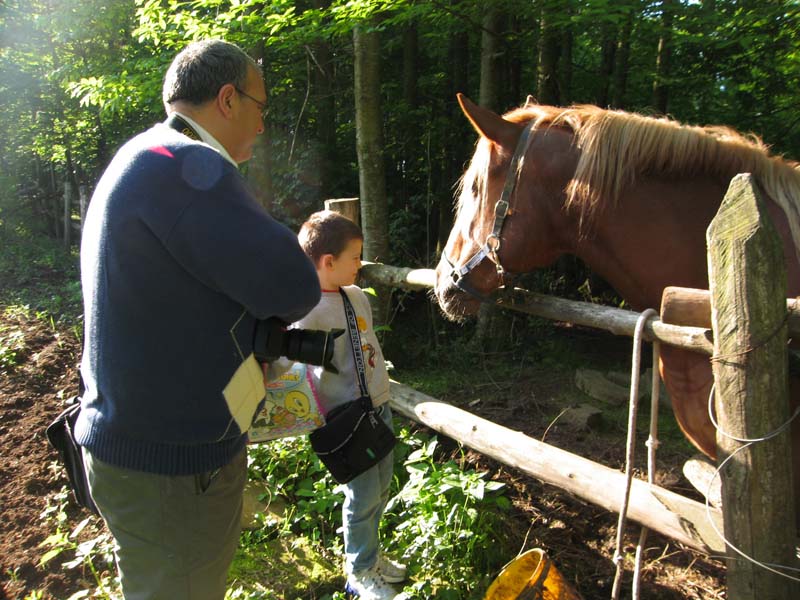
(501,211)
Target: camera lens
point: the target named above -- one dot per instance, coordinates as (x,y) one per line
(310,346)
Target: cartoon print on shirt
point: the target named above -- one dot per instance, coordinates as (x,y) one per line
(366,348)
(369,352)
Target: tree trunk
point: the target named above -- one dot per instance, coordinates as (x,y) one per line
(457,135)
(325,102)
(664,59)
(608,48)
(53,204)
(567,36)
(410,65)
(491,70)
(83,199)
(492,328)
(67,220)
(622,58)
(514,64)
(259,167)
(408,138)
(549,51)
(369,147)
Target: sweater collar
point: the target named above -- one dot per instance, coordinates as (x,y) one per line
(207,138)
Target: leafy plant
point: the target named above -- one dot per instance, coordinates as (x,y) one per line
(95,554)
(290,469)
(11,342)
(445,521)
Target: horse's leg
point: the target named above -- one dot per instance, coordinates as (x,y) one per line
(688,379)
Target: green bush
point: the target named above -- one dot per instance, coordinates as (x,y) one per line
(444,520)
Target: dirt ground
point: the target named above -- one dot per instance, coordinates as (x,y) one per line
(28,402)
(578,537)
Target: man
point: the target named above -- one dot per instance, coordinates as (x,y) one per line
(179,263)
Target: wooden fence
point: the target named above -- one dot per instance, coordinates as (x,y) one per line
(659,509)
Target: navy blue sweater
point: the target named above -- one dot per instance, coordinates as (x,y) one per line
(178,261)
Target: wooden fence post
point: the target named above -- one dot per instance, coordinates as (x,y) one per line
(349,207)
(747,280)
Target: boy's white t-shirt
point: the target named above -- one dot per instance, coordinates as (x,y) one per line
(336,389)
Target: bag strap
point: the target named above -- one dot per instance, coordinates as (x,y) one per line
(179,124)
(355,342)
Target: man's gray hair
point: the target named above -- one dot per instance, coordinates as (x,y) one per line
(202,68)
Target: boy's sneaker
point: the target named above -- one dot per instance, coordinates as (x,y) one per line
(392,571)
(369,584)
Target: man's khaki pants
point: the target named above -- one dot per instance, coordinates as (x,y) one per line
(175,536)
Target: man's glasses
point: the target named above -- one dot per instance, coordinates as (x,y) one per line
(262,106)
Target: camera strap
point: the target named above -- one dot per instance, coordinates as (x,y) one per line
(355,342)
(176,122)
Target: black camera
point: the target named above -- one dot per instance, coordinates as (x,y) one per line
(272,339)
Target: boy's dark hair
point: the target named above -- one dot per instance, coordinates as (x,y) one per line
(327,232)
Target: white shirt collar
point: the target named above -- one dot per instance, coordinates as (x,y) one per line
(207,138)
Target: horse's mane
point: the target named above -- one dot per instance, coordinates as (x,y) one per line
(617,147)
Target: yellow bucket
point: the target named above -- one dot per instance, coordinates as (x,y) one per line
(531,576)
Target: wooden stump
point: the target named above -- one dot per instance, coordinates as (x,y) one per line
(349,207)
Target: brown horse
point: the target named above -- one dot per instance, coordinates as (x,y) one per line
(632,196)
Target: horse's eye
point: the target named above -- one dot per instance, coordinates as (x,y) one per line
(474,188)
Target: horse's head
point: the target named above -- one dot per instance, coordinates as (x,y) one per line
(509,202)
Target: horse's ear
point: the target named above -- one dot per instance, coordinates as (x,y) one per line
(531,101)
(488,124)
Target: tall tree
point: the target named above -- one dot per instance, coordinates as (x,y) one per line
(608,49)
(410,65)
(622,56)
(493,326)
(457,78)
(491,52)
(322,73)
(661,85)
(565,58)
(369,143)
(259,168)
(549,52)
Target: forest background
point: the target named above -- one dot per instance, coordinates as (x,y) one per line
(362,100)
(362,92)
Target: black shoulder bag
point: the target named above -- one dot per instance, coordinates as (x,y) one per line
(60,434)
(354,438)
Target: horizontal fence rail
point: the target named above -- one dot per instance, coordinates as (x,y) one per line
(614,320)
(672,515)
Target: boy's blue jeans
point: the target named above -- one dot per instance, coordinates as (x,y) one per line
(365,497)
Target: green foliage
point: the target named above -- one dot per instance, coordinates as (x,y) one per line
(446,520)
(12,342)
(291,470)
(39,276)
(94,554)
(77,80)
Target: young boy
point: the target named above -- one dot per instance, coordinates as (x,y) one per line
(333,242)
